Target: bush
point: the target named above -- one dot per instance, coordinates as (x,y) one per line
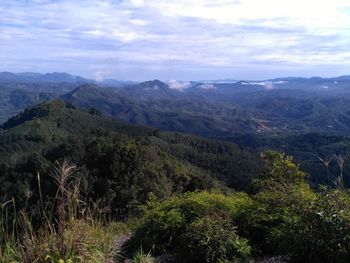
(198,227)
(320,232)
(213,238)
(291,219)
(280,192)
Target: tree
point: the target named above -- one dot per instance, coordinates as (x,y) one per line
(280,191)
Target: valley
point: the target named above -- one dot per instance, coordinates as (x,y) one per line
(307,118)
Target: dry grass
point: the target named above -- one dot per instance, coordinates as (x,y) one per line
(71,230)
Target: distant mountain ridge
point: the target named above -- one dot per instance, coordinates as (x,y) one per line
(57,77)
(66,77)
(214,109)
(38,77)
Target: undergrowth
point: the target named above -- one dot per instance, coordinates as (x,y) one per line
(70,230)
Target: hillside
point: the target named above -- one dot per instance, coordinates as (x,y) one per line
(257,115)
(19,91)
(276,107)
(126,161)
(166,109)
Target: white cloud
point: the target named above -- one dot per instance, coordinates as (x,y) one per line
(137,3)
(101,74)
(176,38)
(178,85)
(313,14)
(207,86)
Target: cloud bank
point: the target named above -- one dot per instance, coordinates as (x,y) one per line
(192,39)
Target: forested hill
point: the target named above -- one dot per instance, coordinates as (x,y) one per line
(122,163)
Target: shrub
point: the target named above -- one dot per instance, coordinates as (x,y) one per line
(320,232)
(280,192)
(293,220)
(213,238)
(178,226)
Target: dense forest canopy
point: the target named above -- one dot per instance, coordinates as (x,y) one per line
(119,162)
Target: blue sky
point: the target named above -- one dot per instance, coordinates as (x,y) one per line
(182,39)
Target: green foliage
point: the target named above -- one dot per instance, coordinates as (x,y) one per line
(134,170)
(282,184)
(280,191)
(213,238)
(279,169)
(306,150)
(320,231)
(68,230)
(118,163)
(164,108)
(294,220)
(283,216)
(177,226)
(142,257)
(218,157)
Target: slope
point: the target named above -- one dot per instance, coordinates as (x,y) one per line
(154,104)
(121,162)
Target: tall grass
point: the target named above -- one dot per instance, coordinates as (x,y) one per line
(70,230)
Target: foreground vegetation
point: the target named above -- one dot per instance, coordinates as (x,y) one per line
(77,187)
(66,229)
(280,215)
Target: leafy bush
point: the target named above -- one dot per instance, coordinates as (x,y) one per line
(319,232)
(213,238)
(198,227)
(280,192)
(291,219)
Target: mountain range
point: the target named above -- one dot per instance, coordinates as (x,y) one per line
(213,108)
(313,113)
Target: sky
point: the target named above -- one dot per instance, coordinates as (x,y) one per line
(180,39)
